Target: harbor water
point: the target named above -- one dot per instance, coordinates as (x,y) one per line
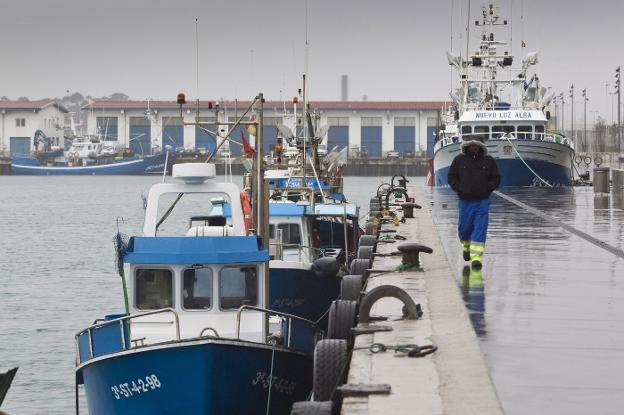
(58,275)
(549,313)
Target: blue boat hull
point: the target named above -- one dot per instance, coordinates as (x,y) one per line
(514,173)
(300,292)
(204,377)
(147,165)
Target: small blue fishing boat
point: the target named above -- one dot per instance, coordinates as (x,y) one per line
(196,338)
(90,157)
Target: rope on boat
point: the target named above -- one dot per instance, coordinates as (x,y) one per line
(597,242)
(525,163)
(268,405)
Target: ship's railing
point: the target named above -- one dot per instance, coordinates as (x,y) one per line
(125,340)
(548,137)
(287,316)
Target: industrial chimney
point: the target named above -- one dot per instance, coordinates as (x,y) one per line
(344,88)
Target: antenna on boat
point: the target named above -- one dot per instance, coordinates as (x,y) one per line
(197,67)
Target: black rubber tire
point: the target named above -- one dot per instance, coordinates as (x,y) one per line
(367,240)
(365,252)
(312,408)
(341,319)
(330,368)
(351,288)
(360,267)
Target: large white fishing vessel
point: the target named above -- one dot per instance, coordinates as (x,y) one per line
(506,107)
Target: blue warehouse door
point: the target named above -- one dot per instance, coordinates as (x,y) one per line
(107,128)
(270,133)
(431,135)
(371,136)
(19,145)
(204,139)
(404,139)
(140,135)
(337,137)
(236,150)
(172,132)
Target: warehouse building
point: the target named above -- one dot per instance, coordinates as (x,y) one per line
(20,119)
(366,128)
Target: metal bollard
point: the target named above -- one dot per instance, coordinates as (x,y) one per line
(408,209)
(617,182)
(601,180)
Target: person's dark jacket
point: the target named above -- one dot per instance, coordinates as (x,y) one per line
(473,177)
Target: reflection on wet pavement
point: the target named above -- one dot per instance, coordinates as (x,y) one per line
(549,306)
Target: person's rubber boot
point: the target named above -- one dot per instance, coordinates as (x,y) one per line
(466,250)
(476,255)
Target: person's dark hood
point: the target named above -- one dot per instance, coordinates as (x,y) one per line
(475,141)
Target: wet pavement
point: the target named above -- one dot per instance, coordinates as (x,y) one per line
(548,306)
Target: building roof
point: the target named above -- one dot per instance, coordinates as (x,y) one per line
(321,105)
(32,105)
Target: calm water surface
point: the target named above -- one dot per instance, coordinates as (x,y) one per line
(57,274)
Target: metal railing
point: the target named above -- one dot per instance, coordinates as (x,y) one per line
(548,137)
(290,318)
(122,326)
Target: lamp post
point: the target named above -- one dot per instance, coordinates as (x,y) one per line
(562,99)
(556,101)
(585,99)
(572,115)
(617,89)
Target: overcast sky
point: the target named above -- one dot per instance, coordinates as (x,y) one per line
(391,49)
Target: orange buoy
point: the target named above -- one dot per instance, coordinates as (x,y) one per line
(246,211)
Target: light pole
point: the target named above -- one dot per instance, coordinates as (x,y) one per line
(585,99)
(556,101)
(572,117)
(617,89)
(562,99)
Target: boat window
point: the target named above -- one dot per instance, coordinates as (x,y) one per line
(197,289)
(525,132)
(539,132)
(189,205)
(238,286)
(290,233)
(466,130)
(154,289)
(499,130)
(482,131)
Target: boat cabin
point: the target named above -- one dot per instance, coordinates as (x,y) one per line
(195,262)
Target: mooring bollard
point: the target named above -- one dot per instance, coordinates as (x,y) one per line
(411,253)
(408,209)
(617,182)
(601,180)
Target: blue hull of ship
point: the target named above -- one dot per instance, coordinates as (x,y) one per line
(146,165)
(514,173)
(198,378)
(300,292)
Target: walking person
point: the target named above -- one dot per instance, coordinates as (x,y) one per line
(474,176)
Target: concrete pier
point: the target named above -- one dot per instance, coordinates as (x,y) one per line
(454,379)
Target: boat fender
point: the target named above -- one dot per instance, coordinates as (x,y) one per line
(325,267)
(246,211)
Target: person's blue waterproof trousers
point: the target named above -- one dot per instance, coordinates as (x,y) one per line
(473,224)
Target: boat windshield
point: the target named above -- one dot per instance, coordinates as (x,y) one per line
(175,211)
